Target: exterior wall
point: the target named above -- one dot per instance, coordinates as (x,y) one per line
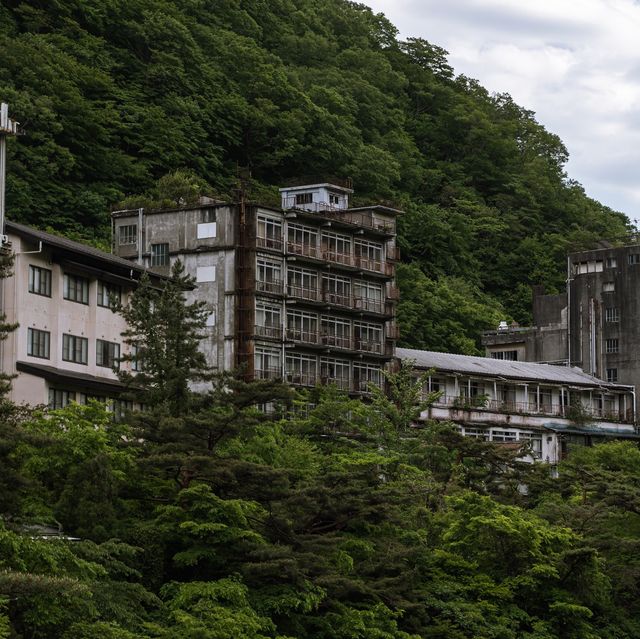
(518,412)
(55,315)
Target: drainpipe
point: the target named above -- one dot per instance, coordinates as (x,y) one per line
(568,311)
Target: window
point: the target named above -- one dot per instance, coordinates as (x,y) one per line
(206,230)
(304,198)
(160,254)
(302,240)
(302,283)
(611,345)
(335,371)
(335,331)
(612,374)
(608,287)
(136,361)
(334,199)
(336,247)
(369,255)
(503,436)
(512,356)
(302,327)
(38,343)
(611,314)
(60,398)
(268,363)
(269,233)
(76,288)
(268,320)
(39,280)
(107,354)
(368,296)
(336,290)
(633,258)
(368,337)
(301,369)
(128,235)
(74,349)
(268,276)
(365,374)
(611,262)
(108,294)
(592,266)
(205,274)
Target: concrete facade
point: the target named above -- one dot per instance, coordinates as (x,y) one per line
(304,292)
(542,408)
(68,337)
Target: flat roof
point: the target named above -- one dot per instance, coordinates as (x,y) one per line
(489,367)
(305,187)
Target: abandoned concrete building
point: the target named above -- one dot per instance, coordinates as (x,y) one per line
(68,339)
(303,292)
(545,409)
(595,325)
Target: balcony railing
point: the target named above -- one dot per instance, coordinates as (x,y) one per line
(343,383)
(363,385)
(304,293)
(369,305)
(299,335)
(369,346)
(393,253)
(393,331)
(301,379)
(270,243)
(336,257)
(305,250)
(337,299)
(375,266)
(267,373)
(276,287)
(393,293)
(270,332)
(337,341)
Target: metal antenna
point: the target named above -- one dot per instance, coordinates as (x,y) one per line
(7,127)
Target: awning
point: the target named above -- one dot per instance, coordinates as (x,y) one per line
(71,378)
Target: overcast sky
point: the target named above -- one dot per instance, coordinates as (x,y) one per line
(576,63)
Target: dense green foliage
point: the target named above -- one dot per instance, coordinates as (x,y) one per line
(115,94)
(341,523)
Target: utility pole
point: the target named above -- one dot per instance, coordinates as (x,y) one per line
(7,127)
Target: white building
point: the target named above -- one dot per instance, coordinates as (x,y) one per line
(547,408)
(68,339)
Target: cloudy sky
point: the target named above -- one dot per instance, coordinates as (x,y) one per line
(576,63)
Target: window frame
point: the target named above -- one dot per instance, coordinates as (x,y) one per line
(70,344)
(75,288)
(39,271)
(107,354)
(130,236)
(38,343)
(159,257)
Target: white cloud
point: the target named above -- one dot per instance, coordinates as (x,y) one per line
(575,63)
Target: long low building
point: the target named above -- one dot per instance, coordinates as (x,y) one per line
(547,408)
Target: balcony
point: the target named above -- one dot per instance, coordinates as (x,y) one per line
(301,379)
(393,253)
(299,335)
(270,243)
(268,373)
(304,293)
(337,299)
(344,259)
(268,332)
(362,385)
(337,341)
(272,287)
(304,250)
(393,293)
(375,266)
(393,331)
(369,346)
(342,383)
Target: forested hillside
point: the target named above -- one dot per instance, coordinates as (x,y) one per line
(114,94)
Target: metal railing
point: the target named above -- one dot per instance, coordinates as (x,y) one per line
(268,373)
(304,293)
(272,243)
(346,259)
(343,383)
(299,335)
(337,299)
(271,332)
(305,250)
(337,341)
(275,287)
(301,379)
(369,346)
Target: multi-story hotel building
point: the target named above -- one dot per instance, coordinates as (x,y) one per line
(304,292)
(541,408)
(68,340)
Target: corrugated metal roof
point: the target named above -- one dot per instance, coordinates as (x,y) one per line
(486,366)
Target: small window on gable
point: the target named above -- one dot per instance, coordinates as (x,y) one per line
(608,287)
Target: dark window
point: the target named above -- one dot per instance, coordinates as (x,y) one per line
(128,235)
(76,288)
(60,398)
(634,258)
(611,314)
(38,343)
(159,254)
(107,354)
(608,287)
(39,281)
(611,345)
(304,198)
(74,349)
(611,262)
(612,374)
(509,355)
(108,294)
